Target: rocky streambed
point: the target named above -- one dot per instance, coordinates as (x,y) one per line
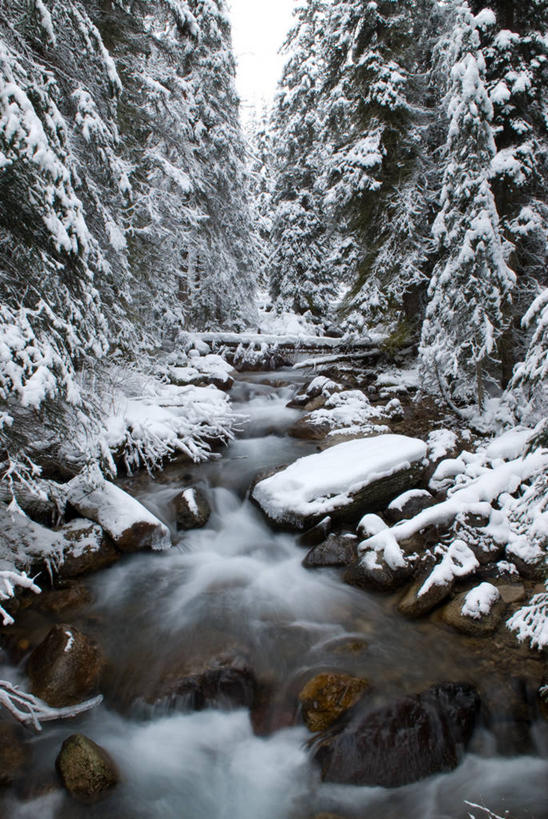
(265,666)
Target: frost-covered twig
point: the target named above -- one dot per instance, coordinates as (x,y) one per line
(8,581)
(487,812)
(30,710)
(531,622)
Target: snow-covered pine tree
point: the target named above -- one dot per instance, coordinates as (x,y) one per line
(516,55)
(301,279)
(222,259)
(121,162)
(529,386)
(261,177)
(470,292)
(377,174)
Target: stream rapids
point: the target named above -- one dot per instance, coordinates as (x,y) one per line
(237,587)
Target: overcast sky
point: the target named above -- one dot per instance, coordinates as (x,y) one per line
(259,28)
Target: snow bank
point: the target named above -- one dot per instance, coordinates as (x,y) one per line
(320,484)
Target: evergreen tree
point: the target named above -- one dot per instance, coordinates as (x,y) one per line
(516,54)
(123,210)
(470,291)
(377,174)
(301,279)
(261,173)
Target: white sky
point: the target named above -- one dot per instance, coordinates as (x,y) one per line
(259,28)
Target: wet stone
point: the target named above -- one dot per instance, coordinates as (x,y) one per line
(316,535)
(228,687)
(87,771)
(65,668)
(192,509)
(335,551)
(402,742)
(325,697)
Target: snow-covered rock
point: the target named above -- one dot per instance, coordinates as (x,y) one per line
(342,481)
(127,522)
(85,549)
(192,509)
(349,412)
(476,612)
(408,505)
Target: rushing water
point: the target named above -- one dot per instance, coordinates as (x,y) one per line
(238,588)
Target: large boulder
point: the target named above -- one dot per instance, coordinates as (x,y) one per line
(126,521)
(343,481)
(87,771)
(328,695)
(401,742)
(65,668)
(192,509)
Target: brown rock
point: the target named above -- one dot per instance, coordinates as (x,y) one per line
(65,668)
(511,592)
(87,771)
(305,430)
(411,605)
(88,549)
(14,754)
(327,696)
(315,403)
(335,551)
(192,509)
(453,616)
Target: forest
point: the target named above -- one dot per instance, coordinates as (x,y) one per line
(221,342)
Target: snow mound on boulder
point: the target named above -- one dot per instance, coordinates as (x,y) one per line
(323,483)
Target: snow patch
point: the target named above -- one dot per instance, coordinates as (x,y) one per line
(480,600)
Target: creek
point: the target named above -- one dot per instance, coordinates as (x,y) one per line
(237,588)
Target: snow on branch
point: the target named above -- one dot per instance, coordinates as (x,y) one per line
(32,711)
(531,622)
(9,580)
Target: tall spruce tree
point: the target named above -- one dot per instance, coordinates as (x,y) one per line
(301,279)
(471,288)
(377,173)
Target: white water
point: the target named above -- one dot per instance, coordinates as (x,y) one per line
(237,587)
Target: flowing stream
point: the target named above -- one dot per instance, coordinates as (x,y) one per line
(237,588)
